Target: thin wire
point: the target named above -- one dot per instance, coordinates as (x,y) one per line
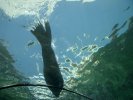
(28,84)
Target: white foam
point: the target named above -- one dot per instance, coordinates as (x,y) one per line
(17,8)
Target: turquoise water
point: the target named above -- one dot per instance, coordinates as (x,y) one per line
(92,42)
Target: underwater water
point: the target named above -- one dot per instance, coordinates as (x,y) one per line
(92,41)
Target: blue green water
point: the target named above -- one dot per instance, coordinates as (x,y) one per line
(93,45)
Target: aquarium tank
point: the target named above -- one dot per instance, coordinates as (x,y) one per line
(91,47)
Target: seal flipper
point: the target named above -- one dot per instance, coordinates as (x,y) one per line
(52,72)
(39,32)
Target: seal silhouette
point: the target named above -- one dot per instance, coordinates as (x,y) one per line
(51,69)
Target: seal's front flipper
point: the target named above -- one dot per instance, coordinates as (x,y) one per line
(38,30)
(42,34)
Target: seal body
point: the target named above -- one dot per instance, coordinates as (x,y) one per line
(51,69)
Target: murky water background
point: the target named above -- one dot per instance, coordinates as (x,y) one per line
(92,41)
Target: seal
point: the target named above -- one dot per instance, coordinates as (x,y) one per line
(51,69)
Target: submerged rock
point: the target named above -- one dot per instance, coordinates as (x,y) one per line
(108,75)
(9,75)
